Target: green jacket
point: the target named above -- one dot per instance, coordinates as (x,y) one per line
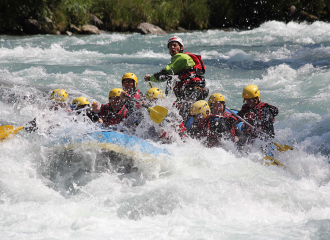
(179,62)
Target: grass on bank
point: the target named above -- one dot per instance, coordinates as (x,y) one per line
(126,15)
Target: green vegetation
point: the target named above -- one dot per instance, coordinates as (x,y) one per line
(126,15)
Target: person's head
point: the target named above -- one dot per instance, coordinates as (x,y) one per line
(217,103)
(80,103)
(129,82)
(251,95)
(175,45)
(153,94)
(114,99)
(199,110)
(59,98)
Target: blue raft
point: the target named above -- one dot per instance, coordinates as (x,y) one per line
(120,143)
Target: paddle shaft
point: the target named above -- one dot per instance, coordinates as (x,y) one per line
(280,147)
(241,119)
(135,100)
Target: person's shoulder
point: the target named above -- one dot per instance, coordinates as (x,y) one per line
(181,56)
(270,108)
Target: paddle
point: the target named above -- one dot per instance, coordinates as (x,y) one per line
(150,84)
(157,113)
(281,148)
(8,131)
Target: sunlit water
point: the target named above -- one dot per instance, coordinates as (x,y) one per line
(195,193)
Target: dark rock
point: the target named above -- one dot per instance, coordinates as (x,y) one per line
(89,29)
(31,26)
(48,27)
(181,29)
(148,28)
(95,21)
(74,29)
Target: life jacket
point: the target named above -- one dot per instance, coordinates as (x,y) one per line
(229,117)
(193,76)
(203,130)
(254,116)
(111,118)
(137,96)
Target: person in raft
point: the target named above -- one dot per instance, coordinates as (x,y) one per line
(113,112)
(259,114)
(81,106)
(217,103)
(129,83)
(59,100)
(190,70)
(207,127)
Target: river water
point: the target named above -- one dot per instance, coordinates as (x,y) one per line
(195,193)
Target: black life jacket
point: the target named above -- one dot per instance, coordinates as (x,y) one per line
(255,118)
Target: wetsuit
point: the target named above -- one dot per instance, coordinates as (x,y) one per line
(210,130)
(110,117)
(262,117)
(189,68)
(131,105)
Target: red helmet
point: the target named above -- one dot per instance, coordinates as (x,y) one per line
(175,39)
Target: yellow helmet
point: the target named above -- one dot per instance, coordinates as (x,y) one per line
(216,97)
(59,95)
(251,91)
(115,92)
(154,93)
(80,101)
(200,107)
(130,76)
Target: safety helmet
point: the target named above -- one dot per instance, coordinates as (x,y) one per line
(200,106)
(251,91)
(130,76)
(175,39)
(115,92)
(154,93)
(59,95)
(80,101)
(216,97)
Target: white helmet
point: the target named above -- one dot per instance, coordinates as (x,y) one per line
(175,39)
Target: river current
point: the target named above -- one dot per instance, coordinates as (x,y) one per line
(196,193)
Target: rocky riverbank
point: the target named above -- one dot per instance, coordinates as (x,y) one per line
(21,17)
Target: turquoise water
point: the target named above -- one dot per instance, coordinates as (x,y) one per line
(196,193)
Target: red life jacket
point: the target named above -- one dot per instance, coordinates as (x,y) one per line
(194,75)
(136,95)
(229,116)
(203,130)
(111,118)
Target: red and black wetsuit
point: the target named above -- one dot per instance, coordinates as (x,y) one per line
(210,130)
(109,117)
(131,105)
(191,77)
(262,117)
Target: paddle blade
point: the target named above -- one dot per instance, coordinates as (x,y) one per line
(8,131)
(272,161)
(158,113)
(282,148)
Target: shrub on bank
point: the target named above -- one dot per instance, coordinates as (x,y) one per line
(126,15)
